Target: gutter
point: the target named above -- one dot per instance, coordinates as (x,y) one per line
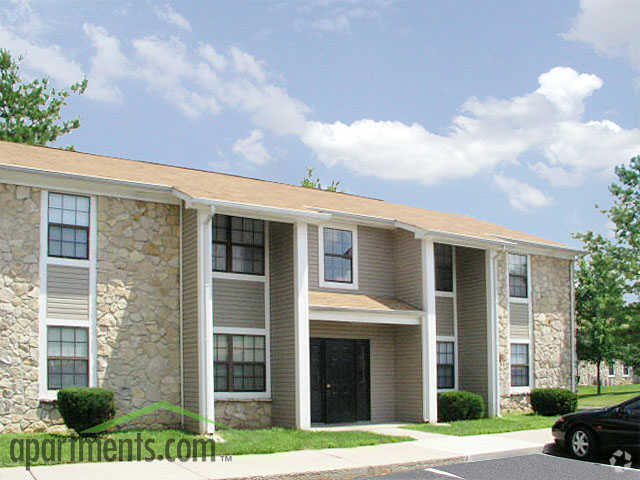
(79,176)
(275,213)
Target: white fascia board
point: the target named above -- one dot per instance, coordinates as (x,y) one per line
(545,249)
(356,218)
(261,212)
(86,184)
(368,316)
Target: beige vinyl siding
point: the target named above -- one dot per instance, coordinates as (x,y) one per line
(190,316)
(472,320)
(407,267)
(408,368)
(67,292)
(238,303)
(519,320)
(382,357)
(375,261)
(283,389)
(444,317)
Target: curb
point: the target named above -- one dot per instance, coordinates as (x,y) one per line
(378,470)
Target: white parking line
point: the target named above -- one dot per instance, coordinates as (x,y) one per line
(443,473)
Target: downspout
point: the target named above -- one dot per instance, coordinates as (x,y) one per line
(573,325)
(181,322)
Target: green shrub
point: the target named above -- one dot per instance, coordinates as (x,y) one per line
(553,401)
(459,405)
(82,408)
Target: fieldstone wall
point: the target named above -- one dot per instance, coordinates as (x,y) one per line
(588,375)
(20,409)
(138,305)
(243,413)
(551,281)
(551,305)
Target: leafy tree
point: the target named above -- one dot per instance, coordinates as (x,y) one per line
(609,325)
(600,304)
(309,182)
(30,111)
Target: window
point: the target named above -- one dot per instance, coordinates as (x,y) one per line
(68,226)
(612,369)
(446,376)
(238,245)
(239,363)
(518,276)
(444,267)
(67,357)
(626,370)
(338,255)
(519,365)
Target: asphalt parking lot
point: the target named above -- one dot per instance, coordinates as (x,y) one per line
(528,467)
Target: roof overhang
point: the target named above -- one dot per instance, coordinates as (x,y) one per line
(365,315)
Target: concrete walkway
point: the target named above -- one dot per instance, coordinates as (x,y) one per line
(429,449)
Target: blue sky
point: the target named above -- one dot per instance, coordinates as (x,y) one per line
(512,112)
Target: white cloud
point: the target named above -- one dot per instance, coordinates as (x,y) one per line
(521,196)
(217,61)
(167,14)
(339,23)
(612,27)
(107,66)
(252,148)
(247,64)
(488,134)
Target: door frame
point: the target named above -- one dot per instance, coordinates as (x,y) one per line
(357,415)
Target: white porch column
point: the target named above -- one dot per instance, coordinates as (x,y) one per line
(493,407)
(205,319)
(301,310)
(428,334)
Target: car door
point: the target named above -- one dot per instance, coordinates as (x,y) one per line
(620,428)
(631,412)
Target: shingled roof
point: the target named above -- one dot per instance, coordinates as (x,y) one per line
(242,190)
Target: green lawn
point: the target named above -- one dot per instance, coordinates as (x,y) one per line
(508,423)
(587,396)
(237,442)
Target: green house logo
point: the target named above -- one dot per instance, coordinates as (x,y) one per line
(146,411)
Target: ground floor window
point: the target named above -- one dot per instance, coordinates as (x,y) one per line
(626,370)
(67,357)
(240,363)
(612,369)
(519,365)
(446,375)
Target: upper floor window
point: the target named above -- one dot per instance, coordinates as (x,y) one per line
(238,245)
(68,226)
(338,255)
(444,267)
(518,276)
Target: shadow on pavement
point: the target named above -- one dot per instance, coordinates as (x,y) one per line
(604,458)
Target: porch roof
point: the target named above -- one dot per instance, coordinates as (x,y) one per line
(359,302)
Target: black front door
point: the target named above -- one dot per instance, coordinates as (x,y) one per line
(340,381)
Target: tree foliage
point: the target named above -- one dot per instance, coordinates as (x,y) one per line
(30,112)
(309,182)
(608,283)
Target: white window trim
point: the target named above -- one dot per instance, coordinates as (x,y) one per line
(338,285)
(527,388)
(628,374)
(454,339)
(44,394)
(523,300)
(609,374)
(266,331)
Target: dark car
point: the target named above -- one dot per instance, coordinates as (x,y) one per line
(589,433)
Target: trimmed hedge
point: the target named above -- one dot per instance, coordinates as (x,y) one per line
(82,408)
(459,405)
(553,401)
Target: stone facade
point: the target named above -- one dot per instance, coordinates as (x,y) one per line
(551,347)
(138,305)
(243,413)
(20,409)
(588,375)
